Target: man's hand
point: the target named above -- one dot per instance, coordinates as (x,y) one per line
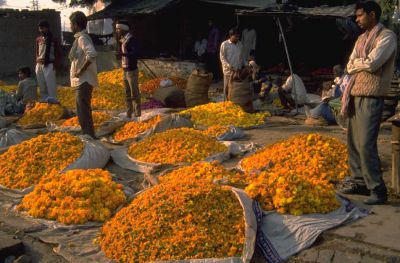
(40,60)
(78,73)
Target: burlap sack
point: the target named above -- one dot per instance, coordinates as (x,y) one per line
(240,90)
(196,92)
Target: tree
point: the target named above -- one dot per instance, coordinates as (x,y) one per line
(83,3)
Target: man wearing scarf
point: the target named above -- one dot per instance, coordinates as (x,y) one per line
(129,57)
(370,67)
(48,57)
(83,71)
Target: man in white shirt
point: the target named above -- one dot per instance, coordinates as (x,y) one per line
(287,94)
(231,56)
(83,71)
(200,47)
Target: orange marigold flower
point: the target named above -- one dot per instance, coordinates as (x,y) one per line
(23,165)
(42,113)
(174,146)
(176,222)
(74,197)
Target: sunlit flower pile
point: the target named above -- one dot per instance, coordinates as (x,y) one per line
(148,87)
(42,113)
(115,78)
(224,114)
(23,165)
(294,191)
(175,222)
(182,145)
(98,119)
(211,172)
(132,129)
(8,88)
(74,197)
(66,96)
(325,157)
(216,130)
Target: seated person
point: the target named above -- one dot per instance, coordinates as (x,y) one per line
(27,90)
(287,94)
(332,91)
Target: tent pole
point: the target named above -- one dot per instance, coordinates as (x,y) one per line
(289,62)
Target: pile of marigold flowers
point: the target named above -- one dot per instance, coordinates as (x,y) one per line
(224,114)
(66,96)
(209,171)
(177,222)
(216,130)
(174,146)
(292,191)
(132,129)
(148,87)
(23,165)
(8,88)
(98,119)
(74,197)
(42,113)
(295,176)
(325,157)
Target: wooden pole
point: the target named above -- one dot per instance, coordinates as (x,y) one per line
(396,157)
(289,62)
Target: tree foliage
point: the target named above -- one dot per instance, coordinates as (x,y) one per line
(83,3)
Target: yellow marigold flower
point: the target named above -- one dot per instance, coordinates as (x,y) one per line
(325,156)
(293,191)
(224,114)
(205,171)
(75,197)
(23,165)
(98,119)
(216,130)
(42,113)
(182,145)
(132,129)
(176,222)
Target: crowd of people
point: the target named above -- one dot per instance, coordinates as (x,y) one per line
(360,86)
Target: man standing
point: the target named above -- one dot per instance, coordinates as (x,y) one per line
(83,71)
(129,56)
(48,57)
(212,49)
(370,66)
(231,57)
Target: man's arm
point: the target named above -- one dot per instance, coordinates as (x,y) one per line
(222,56)
(90,54)
(385,47)
(132,50)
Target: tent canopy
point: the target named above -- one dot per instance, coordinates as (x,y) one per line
(142,7)
(320,11)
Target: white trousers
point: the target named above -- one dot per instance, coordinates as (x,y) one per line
(46,78)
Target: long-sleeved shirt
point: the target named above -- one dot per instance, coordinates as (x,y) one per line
(231,56)
(27,90)
(130,53)
(381,57)
(213,41)
(83,50)
(300,89)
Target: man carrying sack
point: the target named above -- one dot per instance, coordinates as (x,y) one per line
(231,55)
(129,57)
(370,67)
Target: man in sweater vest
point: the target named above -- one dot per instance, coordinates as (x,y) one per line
(371,67)
(129,59)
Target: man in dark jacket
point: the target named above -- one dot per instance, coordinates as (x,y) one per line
(129,57)
(48,58)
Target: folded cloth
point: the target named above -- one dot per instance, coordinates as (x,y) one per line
(280,236)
